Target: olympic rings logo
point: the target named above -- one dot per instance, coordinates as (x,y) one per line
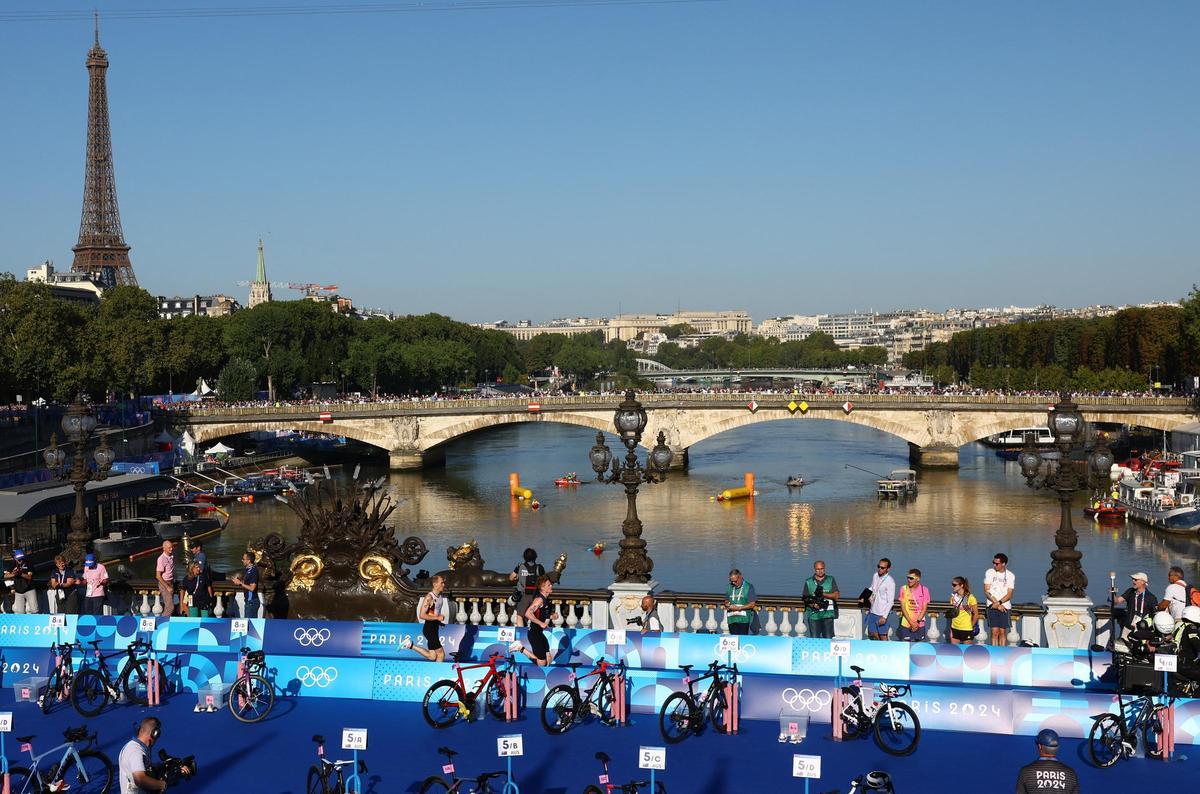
(317,676)
(314,637)
(743,654)
(806,699)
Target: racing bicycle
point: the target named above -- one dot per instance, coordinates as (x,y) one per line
(58,687)
(94,687)
(449,780)
(1115,736)
(327,777)
(683,713)
(897,729)
(632,787)
(77,770)
(567,704)
(252,696)
(447,701)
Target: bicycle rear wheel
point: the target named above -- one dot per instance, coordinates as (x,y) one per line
(441,703)
(251,698)
(1104,741)
(93,775)
(434,783)
(135,682)
(494,696)
(1152,732)
(21,780)
(89,692)
(559,709)
(897,729)
(316,782)
(677,718)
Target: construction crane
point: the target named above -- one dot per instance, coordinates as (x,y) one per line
(307,289)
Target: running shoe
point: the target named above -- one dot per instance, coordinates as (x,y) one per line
(515,646)
(406,643)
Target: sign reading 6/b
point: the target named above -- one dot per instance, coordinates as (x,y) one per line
(806,766)
(652,758)
(615,638)
(510,746)
(354,738)
(839,647)
(506,634)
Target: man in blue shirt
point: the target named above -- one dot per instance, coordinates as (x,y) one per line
(248,581)
(199,556)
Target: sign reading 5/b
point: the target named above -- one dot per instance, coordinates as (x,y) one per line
(806,766)
(354,738)
(652,758)
(510,746)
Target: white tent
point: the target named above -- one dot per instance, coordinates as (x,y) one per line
(203,389)
(218,449)
(188,443)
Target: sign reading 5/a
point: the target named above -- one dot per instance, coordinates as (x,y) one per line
(806,766)
(510,746)
(652,758)
(506,634)
(354,738)
(728,644)
(5,721)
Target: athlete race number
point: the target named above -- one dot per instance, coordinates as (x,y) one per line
(806,766)
(239,626)
(728,644)
(652,758)
(510,746)
(354,738)
(839,647)
(146,624)
(506,634)
(615,637)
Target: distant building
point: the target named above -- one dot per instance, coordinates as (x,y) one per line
(197,305)
(75,287)
(260,288)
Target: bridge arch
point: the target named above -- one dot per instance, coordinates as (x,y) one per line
(465,425)
(207,433)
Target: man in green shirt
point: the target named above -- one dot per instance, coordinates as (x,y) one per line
(820,594)
(739,603)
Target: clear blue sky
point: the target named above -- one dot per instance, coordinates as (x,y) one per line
(776,156)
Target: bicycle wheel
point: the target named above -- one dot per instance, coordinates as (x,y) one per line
(135,682)
(251,698)
(434,783)
(494,696)
(441,703)
(718,712)
(316,782)
(89,692)
(604,702)
(560,709)
(1152,733)
(21,781)
(93,775)
(854,721)
(46,701)
(897,729)
(1104,740)
(677,718)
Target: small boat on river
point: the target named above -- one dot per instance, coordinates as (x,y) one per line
(1168,500)
(901,484)
(568,480)
(185,519)
(127,536)
(796,481)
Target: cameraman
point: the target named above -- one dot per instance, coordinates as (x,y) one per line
(820,602)
(135,760)
(24,596)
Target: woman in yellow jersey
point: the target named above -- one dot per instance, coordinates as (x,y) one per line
(965,609)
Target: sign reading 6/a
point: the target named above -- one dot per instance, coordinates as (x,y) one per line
(806,766)
(652,758)
(510,746)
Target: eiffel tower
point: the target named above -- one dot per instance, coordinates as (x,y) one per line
(101,249)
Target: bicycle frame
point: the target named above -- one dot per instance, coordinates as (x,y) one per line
(352,783)
(715,671)
(602,674)
(492,673)
(69,753)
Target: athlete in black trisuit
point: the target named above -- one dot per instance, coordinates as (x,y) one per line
(431,610)
(537,618)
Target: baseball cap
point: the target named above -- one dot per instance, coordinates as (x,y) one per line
(1140,575)
(18,554)
(90,560)
(1047,738)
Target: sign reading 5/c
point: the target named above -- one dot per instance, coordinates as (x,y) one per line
(652,758)
(806,766)
(510,746)
(354,738)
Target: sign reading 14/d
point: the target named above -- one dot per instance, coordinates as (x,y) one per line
(354,738)
(652,758)
(806,766)
(510,746)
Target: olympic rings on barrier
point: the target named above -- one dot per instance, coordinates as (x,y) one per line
(309,636)
(317,676)
(806,699)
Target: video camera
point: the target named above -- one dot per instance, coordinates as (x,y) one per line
(172,769)
(816,600)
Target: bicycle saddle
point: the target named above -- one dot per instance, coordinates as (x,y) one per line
(856,669)
(94,643)
(256,656)
(245,649)
(319,739)
(686,668)
(602,757)
(490,775)
(76,734)
(446,751)
(573,665)
(26,739)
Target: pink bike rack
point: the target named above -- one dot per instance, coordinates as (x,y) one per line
(732,713)
(153,696)
(619,711)
(512,696)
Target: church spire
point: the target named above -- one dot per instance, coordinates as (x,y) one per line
(260,289)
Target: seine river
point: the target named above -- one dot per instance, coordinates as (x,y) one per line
(959,520)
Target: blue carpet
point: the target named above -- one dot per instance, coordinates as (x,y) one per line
(274,755)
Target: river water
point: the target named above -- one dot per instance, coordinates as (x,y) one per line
(959,520)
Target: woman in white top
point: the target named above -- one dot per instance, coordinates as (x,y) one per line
(431,611)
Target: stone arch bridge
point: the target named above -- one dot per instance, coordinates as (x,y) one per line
(415,432)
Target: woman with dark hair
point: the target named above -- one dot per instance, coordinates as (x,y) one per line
(526,576)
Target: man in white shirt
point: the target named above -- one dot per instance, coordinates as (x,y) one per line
(134,760)
(1175,598)
(883,595)
(999,584)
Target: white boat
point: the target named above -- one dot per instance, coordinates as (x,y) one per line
(1015,439)
(900,484)
(1169,502)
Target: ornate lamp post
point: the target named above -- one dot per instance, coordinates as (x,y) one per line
(632,564)
(77,426)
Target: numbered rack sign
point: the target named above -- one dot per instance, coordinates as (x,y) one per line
(839,648)
(1166,663)
(5,722)
(239,626)
(146,624)
(510,746)
(615,638)
(728,643)
(807,766)
(506,634)
(652,758)
(58,621)
(354,738)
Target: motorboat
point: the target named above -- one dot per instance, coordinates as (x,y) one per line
(1169,500)
(796,481)
(127,536)
(568,480)
(1106,509)
(185,519)
(901,484)
(1015,439)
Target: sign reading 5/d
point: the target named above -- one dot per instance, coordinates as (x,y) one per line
(354,738)
(652,758)
(510,746)
(806,766)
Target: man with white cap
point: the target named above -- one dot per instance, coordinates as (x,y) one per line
(1137,600)
(1047,773)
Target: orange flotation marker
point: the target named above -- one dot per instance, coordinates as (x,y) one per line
(515,489)
(745,492)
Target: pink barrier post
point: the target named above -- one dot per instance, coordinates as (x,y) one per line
(836,715)
(1168,732)
(735,707)
(510,696)
(241,701)
(152,682)
(619,700)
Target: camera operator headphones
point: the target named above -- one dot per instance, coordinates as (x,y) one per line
(156,732)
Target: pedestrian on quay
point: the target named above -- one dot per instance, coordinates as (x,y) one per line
(64,586)
(526,576)
(95,578)
(964,611)
(1047,773)
(820,602)
(1138,601)
(164,574)
(20,581)
(649,619)
(199,556)
(198,590)
(1176,596)
(914,607)
(999,583)
(879,599)
(537,617)
(431,611)
(739,603)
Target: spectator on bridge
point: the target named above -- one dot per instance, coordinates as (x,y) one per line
(739,603)
(95,576)
(64,586)
(999,583)
(1176,596)
(248,581)
(20,581)
(1137,600)
(879,598)
(964,611)
(164,574)
(914,607)
(820,602)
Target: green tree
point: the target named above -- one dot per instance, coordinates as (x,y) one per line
(195,348)
(40,343)
(126,341)
(238,380)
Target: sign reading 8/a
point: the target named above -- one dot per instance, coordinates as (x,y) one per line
(510,746)
(354,738)
(806,766)
(239,626)
(5,721)
(652,758)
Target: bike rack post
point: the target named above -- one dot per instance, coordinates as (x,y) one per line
(1168,723)
(511,696)
(836,704)
(4,764)
(619,698)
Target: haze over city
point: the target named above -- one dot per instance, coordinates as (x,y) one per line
(513,162)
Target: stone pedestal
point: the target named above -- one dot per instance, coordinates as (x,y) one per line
(679,459)
(1069,622)
(933,456)
(626,602)
(415,459)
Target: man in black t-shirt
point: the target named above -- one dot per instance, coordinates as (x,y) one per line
(1047,773)
(1137,600)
